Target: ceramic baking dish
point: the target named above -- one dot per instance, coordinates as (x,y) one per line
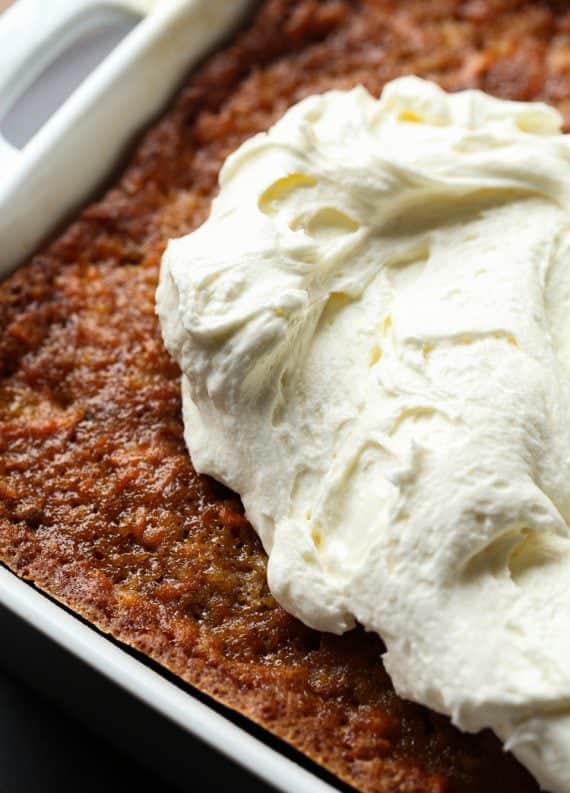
(119,692)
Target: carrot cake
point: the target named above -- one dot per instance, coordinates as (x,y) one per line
(99,503)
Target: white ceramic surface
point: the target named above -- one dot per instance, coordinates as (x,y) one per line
(63,163)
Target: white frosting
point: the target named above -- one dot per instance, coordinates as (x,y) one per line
(150,6)
(374,332)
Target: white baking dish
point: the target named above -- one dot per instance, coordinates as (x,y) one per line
(59,168)
(53,174)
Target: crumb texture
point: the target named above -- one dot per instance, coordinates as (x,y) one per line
(99,503)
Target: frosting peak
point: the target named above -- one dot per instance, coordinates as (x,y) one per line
(374,332)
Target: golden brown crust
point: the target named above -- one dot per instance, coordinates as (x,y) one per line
(99,504)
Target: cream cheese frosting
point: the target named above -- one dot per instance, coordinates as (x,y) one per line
(373,328)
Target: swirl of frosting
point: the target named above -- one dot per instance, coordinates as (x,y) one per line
(373,328)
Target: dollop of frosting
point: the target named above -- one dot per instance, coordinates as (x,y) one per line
(373,328)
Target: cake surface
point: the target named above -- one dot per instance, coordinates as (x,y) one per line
(99,504)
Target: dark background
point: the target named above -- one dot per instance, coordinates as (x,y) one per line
(66,728)
(43,750)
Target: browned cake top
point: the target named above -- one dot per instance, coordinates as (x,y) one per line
(99,504)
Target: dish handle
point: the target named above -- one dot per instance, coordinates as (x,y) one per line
(32,37)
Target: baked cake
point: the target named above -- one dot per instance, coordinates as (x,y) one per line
(99,503)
